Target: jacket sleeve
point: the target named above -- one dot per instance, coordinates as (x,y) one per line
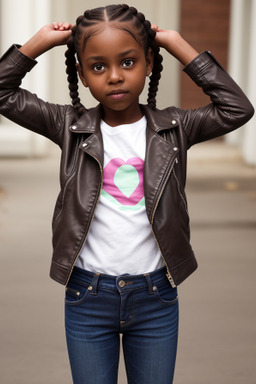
(23,107)
(229,110)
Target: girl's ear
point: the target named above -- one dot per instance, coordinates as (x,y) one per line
(149,61)
(81,74)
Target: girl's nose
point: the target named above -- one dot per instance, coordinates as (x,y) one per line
(115,75)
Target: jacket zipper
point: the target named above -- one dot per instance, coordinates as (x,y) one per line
(65,188)
(168,274)
(82,245)
(179,191)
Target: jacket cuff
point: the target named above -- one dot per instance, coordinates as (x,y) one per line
(18,59)
(199,63)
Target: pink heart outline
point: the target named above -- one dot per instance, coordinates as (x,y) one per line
(111,188)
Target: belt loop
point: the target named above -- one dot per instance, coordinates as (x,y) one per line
(93,288)
(149,282)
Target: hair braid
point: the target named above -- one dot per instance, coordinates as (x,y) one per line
(71,71)
(157,66)
(155,77)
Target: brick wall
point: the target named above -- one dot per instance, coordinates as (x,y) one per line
(205,25)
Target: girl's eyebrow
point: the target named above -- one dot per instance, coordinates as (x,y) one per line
(122,54)
(128,52)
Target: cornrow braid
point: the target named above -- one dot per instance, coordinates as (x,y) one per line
(145,37)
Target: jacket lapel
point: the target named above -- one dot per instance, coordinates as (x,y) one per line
(89,124)
(160,157)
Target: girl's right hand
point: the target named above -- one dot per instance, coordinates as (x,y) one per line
(46,38)
(56,33)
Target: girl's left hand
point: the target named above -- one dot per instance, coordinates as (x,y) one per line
(165,38)
(173,42)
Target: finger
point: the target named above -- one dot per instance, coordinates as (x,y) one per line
(55,25)
(62,26)
(67,26)
(155,27)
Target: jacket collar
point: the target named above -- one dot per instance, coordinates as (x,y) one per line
(157,120)
(89,122)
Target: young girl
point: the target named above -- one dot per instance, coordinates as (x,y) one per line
(121,227)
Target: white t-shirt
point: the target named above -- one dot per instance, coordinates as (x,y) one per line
(120,239)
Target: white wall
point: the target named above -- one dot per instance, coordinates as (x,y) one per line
(242,59)
(18,21)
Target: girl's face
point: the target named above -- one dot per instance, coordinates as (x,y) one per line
(114,67)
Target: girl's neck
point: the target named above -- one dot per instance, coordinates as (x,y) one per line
(122,117)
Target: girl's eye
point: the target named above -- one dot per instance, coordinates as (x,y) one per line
(98,67)
(128,63)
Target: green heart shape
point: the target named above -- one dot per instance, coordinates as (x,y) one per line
(126,179)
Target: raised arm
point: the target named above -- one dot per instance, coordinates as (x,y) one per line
(230,108)
(22,106)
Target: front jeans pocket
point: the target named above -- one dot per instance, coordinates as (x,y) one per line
(76,292)
(166,294)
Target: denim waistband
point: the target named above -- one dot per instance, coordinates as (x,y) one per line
(122,283)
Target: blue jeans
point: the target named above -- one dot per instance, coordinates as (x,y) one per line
(142,308)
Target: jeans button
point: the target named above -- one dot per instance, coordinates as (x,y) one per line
(121,283)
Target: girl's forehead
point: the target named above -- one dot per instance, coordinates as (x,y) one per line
(102,25)
(105,29)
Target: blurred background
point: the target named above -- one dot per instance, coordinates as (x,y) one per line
(225,27)
(217,303)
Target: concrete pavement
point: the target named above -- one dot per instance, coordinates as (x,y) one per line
(217,303)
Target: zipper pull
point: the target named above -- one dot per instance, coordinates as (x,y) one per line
(169,277)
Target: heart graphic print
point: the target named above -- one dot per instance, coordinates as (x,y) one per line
(123,182)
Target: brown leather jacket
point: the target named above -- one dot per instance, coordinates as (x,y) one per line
(170,133)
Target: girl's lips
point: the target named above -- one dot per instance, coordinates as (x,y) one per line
(118,94)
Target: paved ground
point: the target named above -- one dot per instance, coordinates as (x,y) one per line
(217,304)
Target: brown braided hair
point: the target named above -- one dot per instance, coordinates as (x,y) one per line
(122,13)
